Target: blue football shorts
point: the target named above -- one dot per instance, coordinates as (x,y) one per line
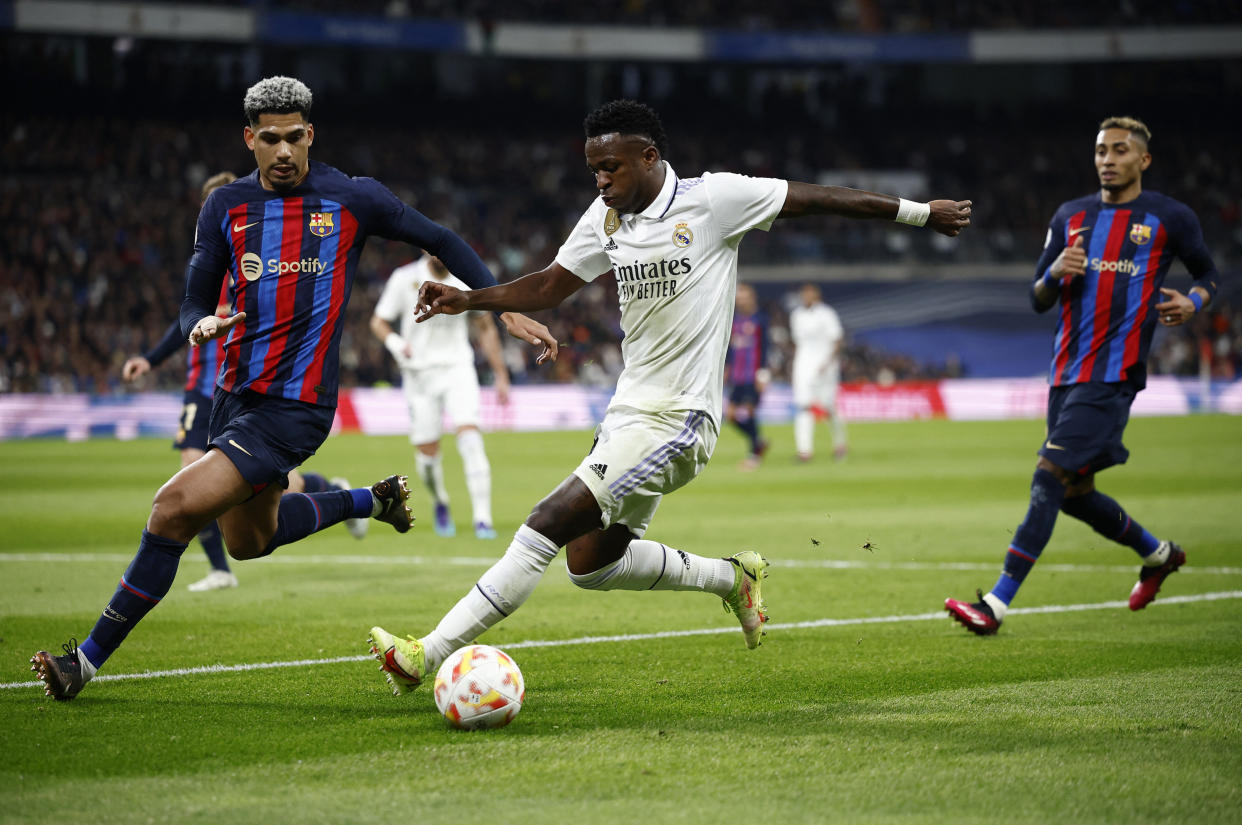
(266,437)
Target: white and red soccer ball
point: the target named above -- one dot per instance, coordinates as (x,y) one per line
(479,687)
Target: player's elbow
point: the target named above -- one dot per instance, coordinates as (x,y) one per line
(379,327)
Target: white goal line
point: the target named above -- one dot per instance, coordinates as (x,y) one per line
(639,637)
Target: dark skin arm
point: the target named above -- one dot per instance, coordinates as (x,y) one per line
(947,217)
(539,290)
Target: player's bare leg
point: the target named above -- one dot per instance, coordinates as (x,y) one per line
(220,576)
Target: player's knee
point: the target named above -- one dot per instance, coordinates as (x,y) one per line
(245,544)
(171,514)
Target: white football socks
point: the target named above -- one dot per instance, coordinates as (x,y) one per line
(998,607)
(649,565)
(804,432)
(431,471)
(499,592)
(478,474)
(838,427)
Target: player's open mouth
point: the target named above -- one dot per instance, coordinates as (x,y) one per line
(283,170)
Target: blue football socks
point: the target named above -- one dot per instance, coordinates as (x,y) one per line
(213,546)
(304,513)
(315,483)
(145,582)
(1108,519)
(1047,493)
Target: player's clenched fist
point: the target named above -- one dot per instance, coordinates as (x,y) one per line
(1072,261)
(949,217)
(213,326)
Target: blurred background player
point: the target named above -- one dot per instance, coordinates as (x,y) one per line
(662,422)
(746,368)
(438,378)
(818,340)
(289,235)
(1104,260)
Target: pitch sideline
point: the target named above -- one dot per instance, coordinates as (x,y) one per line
(636,637)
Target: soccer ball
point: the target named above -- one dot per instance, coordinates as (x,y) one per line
(479,687)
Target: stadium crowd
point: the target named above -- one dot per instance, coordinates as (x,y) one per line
(95,232)
(799,15)
(97,207)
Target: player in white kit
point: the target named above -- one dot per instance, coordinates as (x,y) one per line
(671,243)
(438,378)
(818,340)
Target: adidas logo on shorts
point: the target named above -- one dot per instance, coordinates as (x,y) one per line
(599,470)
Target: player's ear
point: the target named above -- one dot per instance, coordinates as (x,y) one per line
(1146,161)
(248,136)
(310,133)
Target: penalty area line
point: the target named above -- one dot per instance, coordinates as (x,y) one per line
(639,637)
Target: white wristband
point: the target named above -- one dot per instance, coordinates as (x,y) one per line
(914,214)
(395,344)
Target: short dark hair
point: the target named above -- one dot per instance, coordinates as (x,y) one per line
(278,95)
(1133,125)
(627,117)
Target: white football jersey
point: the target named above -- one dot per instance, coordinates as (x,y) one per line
(676,269)
(438,342)
(815,331)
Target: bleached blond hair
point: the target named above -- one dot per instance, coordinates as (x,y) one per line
(1135,126)
(216,181)
(277,95)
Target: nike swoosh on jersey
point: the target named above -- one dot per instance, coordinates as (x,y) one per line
(237,228)
(1048,445)
(1074,232)
(240,447)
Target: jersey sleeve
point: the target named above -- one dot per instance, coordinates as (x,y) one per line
(166,346)
(389,305)
(581,253)
(392,218)
(832,322)
(741,203)
(1054,242)
(1191,248)
(208,264)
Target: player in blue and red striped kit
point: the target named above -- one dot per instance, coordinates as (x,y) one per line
(1104,262)
(202,365)
(289,235)
(746,371)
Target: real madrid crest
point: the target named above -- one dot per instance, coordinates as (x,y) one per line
(612,222)
(682,236)
(1140,233)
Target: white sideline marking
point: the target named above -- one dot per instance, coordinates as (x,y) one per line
(639,637)
(478,561)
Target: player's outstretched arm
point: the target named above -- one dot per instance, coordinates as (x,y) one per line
(530,293)
(944,216)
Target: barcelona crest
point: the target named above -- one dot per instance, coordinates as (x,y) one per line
(321,224)
(1140,233)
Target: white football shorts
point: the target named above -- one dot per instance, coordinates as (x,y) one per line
(641,456)
(812,387)
(436,392)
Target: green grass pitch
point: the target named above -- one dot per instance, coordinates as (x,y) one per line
(1090,715)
